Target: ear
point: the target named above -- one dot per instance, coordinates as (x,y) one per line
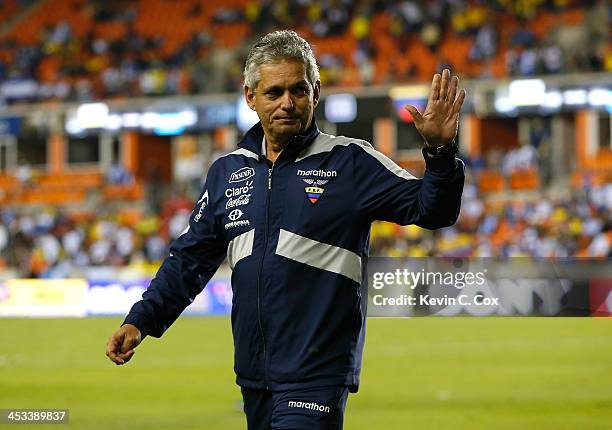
(249,96)
(316,93)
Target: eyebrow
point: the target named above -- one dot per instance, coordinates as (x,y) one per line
(278,87)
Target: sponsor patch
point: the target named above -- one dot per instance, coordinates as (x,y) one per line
(236,191)
(239,223)
(241,200)
(318,172)
(242,174)
(203,203)
(235,214)
(313,406)
(315,189)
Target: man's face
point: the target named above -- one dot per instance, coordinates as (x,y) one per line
(284,99)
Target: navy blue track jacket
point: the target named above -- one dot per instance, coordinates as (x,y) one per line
(296,234)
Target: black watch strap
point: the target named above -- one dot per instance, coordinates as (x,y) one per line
(447,150)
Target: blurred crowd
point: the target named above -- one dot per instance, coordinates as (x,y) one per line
(49,243)
(91,66)
(580,226)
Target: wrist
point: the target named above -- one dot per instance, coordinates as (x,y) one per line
(440,165)
(447,150)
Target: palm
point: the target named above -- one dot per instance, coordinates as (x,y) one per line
(438,123)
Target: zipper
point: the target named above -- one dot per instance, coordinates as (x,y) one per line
(261,330)
(270,177)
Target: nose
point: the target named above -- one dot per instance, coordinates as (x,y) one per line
(287,103)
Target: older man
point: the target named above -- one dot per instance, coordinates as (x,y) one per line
(291,209)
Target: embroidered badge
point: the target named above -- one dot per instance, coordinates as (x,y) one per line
(315,189)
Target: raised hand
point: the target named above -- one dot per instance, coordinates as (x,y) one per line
(438,124)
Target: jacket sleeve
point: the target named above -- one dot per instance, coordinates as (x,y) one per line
(389,193)
(194,258)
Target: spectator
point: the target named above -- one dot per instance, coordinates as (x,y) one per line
(485,43)
(135,64)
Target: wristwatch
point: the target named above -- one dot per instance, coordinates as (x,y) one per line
(447,150)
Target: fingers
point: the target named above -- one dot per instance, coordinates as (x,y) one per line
(131,338)
(434,93)
(126,356)
(121,344)
(416,116)
(452,89)
(112,349)
(458,103)
(444,84)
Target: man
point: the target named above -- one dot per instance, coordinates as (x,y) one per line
(291,209)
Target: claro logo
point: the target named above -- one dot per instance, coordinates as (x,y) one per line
(242,174)
(236,191)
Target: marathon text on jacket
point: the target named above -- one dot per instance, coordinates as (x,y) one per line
(322,173)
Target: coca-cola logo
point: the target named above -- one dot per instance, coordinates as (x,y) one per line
(243,199)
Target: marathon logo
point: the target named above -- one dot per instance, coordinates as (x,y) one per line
(313,406)
(242,174)
(318,173)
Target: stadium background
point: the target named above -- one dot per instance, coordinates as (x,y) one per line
(111,112)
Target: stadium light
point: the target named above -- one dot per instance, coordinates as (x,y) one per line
(527,92)
(245,117)
(113,122)
(575,97)
(188,117)
(171,124)
(149,120)
(553,100)
(340,108)
(92,115)
(130,119)
(504,105)
(73,126)
(600,97)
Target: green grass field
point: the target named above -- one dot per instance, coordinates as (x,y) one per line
(421,373)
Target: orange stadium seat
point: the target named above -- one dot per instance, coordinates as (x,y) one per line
(111,30)
(573,16)
(53,198)
(174,23)
(7,9)
(131,216)
(28,30)
(71,181)
(524,180)
(8,182)
(490,181)
(123,192)
(595,177)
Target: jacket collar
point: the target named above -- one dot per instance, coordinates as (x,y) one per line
(253,138)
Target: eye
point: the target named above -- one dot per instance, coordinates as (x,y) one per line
(273,93)
(300,91)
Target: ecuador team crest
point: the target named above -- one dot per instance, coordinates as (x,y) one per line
(315,189)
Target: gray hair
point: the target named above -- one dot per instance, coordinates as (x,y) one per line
(275,46)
